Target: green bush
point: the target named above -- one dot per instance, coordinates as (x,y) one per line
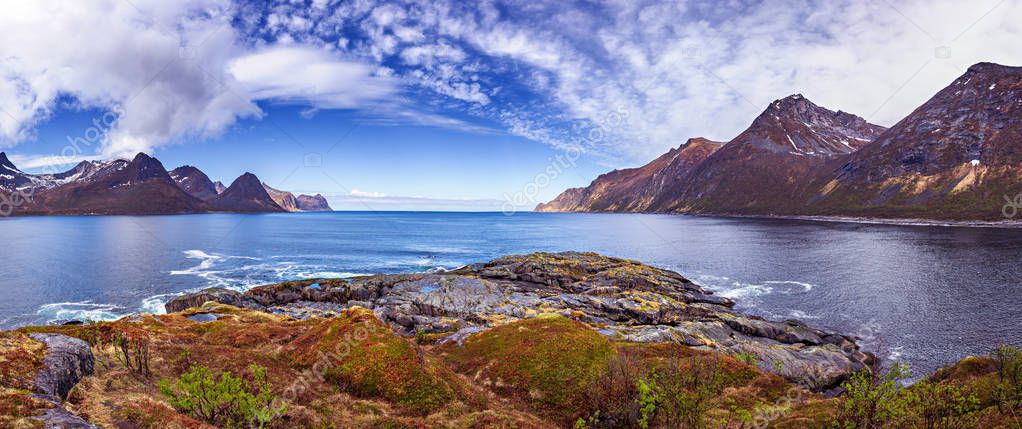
(681,393)
(224,400)
(872,400)
(647,403)
(940,406)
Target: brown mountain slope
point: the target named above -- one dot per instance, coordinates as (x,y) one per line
(284,199)
(954,157)
(647,188)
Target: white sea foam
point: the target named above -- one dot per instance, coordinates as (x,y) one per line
(726,287)
(805,286)
(84,311)
(740,290)
(801,315)
(896,354)
(155,304)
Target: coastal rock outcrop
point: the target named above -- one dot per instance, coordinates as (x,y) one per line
(67,360)
(618,297)
(214,294)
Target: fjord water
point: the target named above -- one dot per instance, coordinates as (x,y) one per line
(930,295)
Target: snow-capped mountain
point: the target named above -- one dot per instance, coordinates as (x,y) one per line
(139,186)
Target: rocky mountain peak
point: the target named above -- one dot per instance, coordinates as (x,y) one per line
(991,68)
(194,182)
(247,180)
(797,107)
(6,164)
(145,167)
(796,125)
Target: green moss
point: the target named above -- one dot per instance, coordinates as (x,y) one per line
(548,361)
(363,356)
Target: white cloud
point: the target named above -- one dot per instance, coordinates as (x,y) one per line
(364,194)
(309,75)
(140,56)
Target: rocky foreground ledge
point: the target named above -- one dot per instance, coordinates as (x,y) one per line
(620,298)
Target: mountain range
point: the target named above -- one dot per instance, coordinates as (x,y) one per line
(956,157)
(141,186)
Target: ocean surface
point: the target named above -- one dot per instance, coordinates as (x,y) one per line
(925,295)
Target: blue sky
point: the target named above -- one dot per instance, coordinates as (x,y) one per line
(451,104)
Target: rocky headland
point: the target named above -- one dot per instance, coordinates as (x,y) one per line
(619,298)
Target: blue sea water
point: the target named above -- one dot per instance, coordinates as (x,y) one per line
(930,295)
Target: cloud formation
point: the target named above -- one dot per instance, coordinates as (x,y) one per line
(624,79)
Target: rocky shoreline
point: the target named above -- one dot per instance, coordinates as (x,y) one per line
(619,298)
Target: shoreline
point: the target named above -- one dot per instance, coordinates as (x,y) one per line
(875,221)
(1012,224)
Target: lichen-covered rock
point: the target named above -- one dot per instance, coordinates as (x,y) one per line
(618,297)
(67,360)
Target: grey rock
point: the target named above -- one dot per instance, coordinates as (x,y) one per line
(67,360)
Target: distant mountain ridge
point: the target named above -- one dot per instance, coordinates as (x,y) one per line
(953,158)
(636,189)
(137,187)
